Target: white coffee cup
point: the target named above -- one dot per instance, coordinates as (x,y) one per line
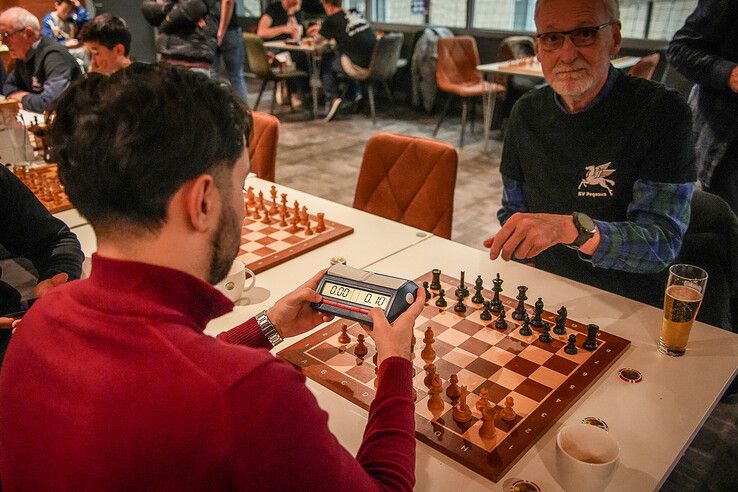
(234,285)
(586,457)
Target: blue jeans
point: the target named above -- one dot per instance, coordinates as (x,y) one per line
(331,75)
(232,52)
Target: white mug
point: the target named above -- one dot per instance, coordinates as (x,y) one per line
(586,457)
(234,285)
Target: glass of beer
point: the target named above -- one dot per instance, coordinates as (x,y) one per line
(682,300)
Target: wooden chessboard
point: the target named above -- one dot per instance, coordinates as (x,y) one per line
(264,246)
(543,380)
(523,66)
(43,181)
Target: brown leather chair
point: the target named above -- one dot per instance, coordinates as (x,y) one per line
(409,180)
(645,67)
(457,74)
(263,145)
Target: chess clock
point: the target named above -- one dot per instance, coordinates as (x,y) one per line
(350,293)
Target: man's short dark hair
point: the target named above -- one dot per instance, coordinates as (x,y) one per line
(125,143)
(108,30)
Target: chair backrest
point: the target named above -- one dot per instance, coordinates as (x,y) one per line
(646,66)
(263,145)
(409,180)
(256,56)
(384,58)
(457,62)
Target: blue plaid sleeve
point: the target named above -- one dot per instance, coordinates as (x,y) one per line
(512,199)
(649,241)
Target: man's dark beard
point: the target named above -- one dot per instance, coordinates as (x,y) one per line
(225,243)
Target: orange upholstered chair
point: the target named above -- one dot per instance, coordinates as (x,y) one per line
(263,145)
(646,66)
(457,74)
(409,180)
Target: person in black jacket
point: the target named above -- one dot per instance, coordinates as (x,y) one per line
(43,67)
(187,31)
(705,50)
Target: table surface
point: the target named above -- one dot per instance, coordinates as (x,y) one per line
(653,421)
(281,45)
(534,70)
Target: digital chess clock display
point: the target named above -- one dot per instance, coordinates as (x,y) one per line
(350,293)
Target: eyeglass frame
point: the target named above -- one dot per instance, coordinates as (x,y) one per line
(4,36)
(566,34)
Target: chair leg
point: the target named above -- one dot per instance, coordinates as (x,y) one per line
(372,109)
(274,97)
(464,109)
(443,114)
(261,91)
(472,115)
(389,92)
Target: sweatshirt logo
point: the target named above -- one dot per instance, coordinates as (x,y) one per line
(36,85)
(597,176)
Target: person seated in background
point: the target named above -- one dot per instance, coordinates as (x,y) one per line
(108,40)
(595,188)
(150,401)
(282,21)
(354,42)
(65,22)
(29,231)
(43,68)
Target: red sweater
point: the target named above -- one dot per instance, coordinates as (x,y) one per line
(110,384)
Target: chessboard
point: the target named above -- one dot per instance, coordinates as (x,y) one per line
(484,392)
(523,66)
(275,231)
(43,181)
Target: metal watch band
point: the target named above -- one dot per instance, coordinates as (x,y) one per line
(268,329)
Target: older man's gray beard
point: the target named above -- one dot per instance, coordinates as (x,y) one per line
(576,84)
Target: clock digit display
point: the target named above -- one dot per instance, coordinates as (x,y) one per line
(354,295)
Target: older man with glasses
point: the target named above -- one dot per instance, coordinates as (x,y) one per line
(595,188)
(43,67)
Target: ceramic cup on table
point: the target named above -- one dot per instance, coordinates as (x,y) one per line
(235,283)
(586,457)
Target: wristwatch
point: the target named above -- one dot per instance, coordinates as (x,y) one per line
(268,329)
(585,227)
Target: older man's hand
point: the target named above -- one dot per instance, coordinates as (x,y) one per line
(526,235)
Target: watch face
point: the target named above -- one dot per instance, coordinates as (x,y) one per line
(586,224)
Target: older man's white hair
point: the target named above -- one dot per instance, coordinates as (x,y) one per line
(612,8)
(20,18)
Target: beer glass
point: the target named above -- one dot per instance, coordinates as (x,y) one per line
(682,300)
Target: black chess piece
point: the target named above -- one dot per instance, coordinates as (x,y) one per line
(545,337)
(560,327)
(571,346)
(441,301)
(486,315)
(436,280)
(459,307)
(501,324)
(519,313)
(478,286)
(497,289)
(427,292)
(462,290)
(537,321)
(525,329)
(591,342)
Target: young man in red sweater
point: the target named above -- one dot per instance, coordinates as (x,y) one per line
(110,383)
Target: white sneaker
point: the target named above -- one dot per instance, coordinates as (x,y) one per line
(296,101)
(335,104)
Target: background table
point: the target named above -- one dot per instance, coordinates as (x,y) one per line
(313,66)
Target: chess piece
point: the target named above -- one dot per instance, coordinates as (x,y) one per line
(296,209)
(441,301)
(428,354)
(519,312)
(260,200)
(436,280)
(508,414)
(435,403)
(486,314)
(267,220)
(459,307)
(478,298)
(344,337)
(525,329)
(537,312)
(284,199)
(360,350)
(545,336)
(273,193)
(283,217)
(571,346)
(321,223)
(427,292)
(462,413)
(453,391)
(304,218)
(462,290)
(591,342)
(483,401)
(250,195)
(488,429)
(308,229)
(430,372)
(560,327)
(497,289)
(501,324)
(294,229)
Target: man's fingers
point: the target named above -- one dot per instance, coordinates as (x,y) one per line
(7,322)
(512,244)
(488,242)
(501,238)
(59,278)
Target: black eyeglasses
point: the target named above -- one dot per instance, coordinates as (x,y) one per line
(4,36)
(584,36)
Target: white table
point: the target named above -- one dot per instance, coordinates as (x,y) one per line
(654,420)
(313,66)
(71,217)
